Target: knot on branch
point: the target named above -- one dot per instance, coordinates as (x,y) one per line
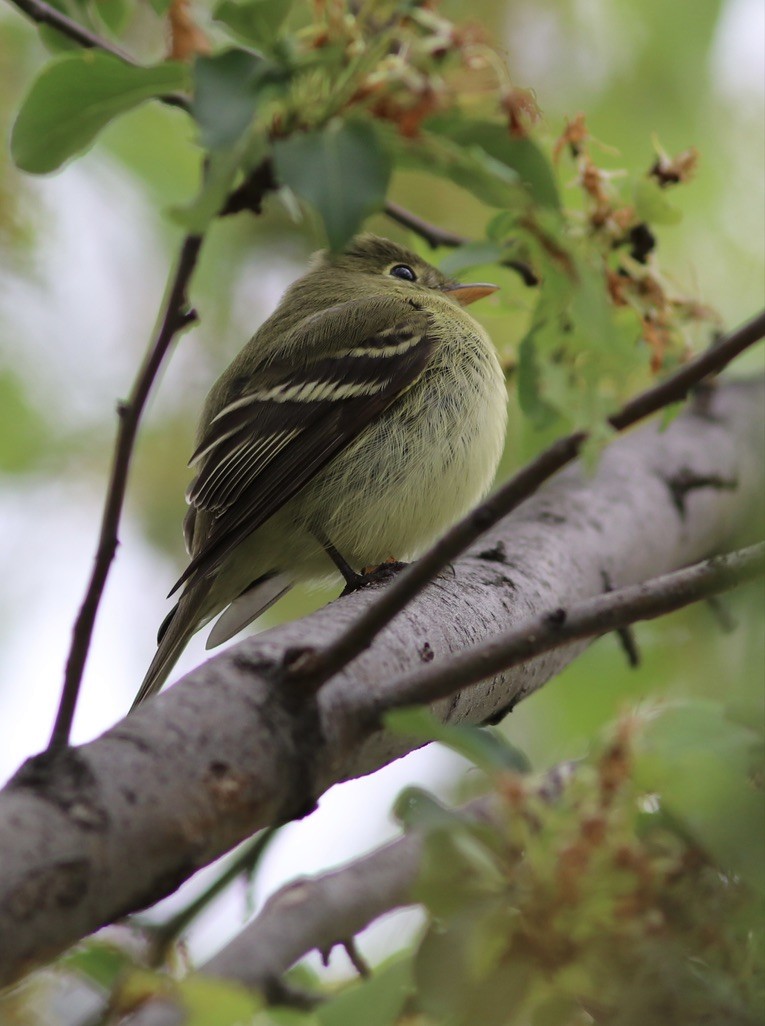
(63,778)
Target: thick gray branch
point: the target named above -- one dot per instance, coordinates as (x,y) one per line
(120,822)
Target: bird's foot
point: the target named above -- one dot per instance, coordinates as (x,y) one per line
(373,575)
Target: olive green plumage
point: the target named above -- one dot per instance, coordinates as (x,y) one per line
(367,413)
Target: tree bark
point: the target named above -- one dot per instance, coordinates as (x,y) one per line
(92,833)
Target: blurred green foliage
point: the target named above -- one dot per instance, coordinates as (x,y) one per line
(639,895)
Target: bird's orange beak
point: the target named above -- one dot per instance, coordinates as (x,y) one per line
(465,294)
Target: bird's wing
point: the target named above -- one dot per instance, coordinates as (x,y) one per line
(267,444)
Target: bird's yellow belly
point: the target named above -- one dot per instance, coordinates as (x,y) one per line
(403,487)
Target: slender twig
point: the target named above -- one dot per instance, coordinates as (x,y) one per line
(320,665)
(431,233)
(436,236)
(242,864)
(593,617)
(177,316)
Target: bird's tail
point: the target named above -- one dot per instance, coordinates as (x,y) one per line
(193,612)
(184,620)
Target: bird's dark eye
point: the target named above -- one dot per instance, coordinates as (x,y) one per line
(403,271)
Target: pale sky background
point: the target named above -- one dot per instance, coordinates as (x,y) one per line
(89,294)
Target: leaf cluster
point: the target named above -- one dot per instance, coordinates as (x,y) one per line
(601,898)
(320,106)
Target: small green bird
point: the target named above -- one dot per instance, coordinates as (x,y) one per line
(365,416)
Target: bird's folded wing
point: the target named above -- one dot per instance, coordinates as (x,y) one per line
(268,443)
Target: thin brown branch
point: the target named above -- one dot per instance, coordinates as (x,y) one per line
(612,611)
(433,234)
(436,236)
(320,665)
(177,316)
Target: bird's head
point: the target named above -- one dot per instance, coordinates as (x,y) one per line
(370,262)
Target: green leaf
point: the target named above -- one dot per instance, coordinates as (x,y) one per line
(669,413)
(441,975)
(56,41)
(700,763)
(415,807)
(540,413)
(600,435)
(254,21)
(160,6)
(222,167)
(74,97)
(486,748)
(458,868)
(448,989)
(211,1002)
(227,90)
(528,163)
(472,254)
(470,167)
(377,1001)
(158,144)
(342,170)
(115,14)
(102,964)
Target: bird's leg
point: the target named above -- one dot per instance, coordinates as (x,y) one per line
(378,574)
(353,580)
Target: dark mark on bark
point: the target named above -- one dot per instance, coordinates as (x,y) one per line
(127,735)
(557,617)
(499,715)
(257,665)
(426,653)
(297,715)
(687,480)
(65,779)
(703,396)
(547,516)
(60,885)
(494,554)
(166,883)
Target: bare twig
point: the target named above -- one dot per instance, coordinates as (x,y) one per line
(431,233)
(436,236)
(320,665)
(242,864)
(610,611)
(177,316)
